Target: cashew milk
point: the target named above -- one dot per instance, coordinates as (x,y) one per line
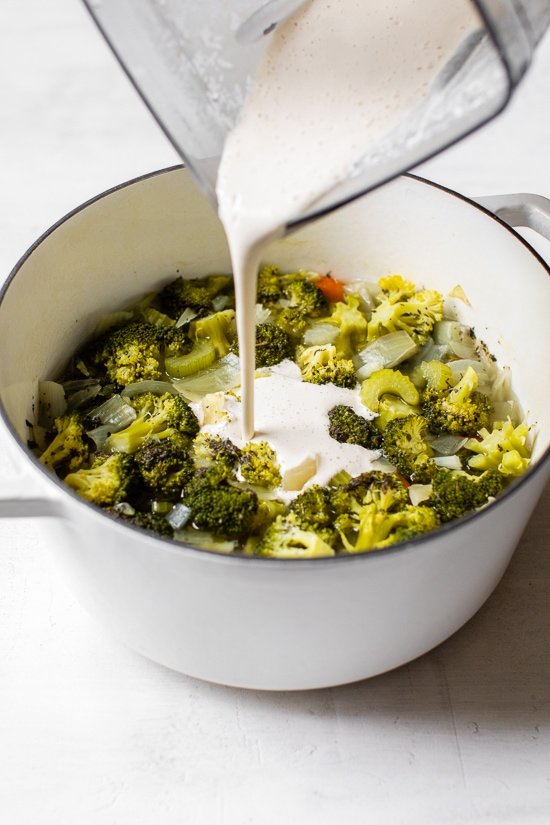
(338,76)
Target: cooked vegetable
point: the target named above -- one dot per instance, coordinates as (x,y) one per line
(349,428)
(110,479)
(139,423)
(321,365)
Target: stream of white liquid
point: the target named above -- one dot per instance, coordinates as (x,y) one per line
(338,75)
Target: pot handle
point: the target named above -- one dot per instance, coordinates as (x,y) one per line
(21,494)
(527,210)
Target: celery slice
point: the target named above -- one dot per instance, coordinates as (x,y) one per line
(201,356)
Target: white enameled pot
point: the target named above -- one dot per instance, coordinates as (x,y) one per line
(263,623)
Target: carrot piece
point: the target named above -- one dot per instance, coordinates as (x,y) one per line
(332,289)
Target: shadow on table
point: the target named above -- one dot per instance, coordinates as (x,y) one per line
(494,671)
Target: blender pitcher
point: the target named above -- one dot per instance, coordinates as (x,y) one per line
(193,61)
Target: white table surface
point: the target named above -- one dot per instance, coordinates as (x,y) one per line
(90,733)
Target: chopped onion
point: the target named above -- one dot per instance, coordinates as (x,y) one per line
(383,465)
(263,314)
(319,334)
(429,352)
(186,317)
(295,477)
(458,292)
(419,493)
(507,409)
(458,337)
(224,376)
(124,508)
(220,302)
(483,371)
(156,387)
(51,402)
(83,396)
(178,516)
(116,412)
(449,462)
(447,444)
(387,351)
(502,385)
(100,434)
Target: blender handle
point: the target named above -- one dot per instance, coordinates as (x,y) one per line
(525,210)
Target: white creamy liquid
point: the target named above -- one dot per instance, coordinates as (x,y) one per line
(338,75)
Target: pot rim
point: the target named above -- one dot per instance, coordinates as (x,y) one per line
(212,555)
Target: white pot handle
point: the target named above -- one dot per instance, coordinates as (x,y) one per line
(22,494)
(527,210)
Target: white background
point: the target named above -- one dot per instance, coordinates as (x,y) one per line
(91,733)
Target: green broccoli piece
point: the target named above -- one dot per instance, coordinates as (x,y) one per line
(69,448)
(270,287)
(304,296)
(157,415)
(386,490)
(165,464)
(320,365)
(267,512)
(128,354)
(176,342)
(292,321)
(458,409)
(259,464)
(273,345)
(404,445)
(218,328)
(398,309)
(455,492)
(211,450)
(371,527)
(110,480)
(347,427)
(313,511)
(183,294)
(285,539)
(352,326)
(218,506)
(504,448)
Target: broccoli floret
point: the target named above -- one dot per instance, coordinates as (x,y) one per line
(313,511)
(459,409)
(176,342)
(219,507)
(129,354)
(273,345)
(158,415)
(165,464)
(455,492)
(304,296)
(404,445)
(352,326)
(267,512)
(284,539)
(371,527)
(110,479)
(184,294)
(386,490)
(416,313)
(218,328)
(292,322)
(270,288)
(503,448)
(69,449)
(211,450)
(259,464)
(347,427)
(320,365)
